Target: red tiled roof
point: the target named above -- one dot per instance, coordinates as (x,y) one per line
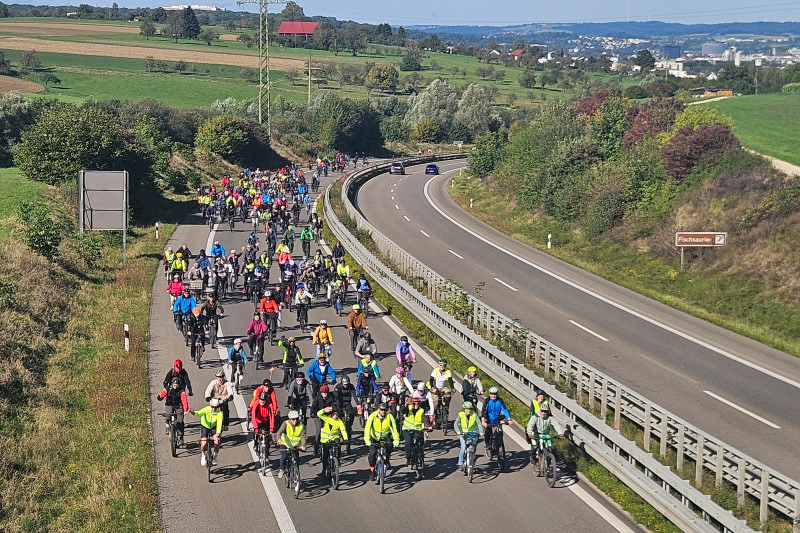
(516,52)
(297,28)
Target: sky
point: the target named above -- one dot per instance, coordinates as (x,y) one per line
(510,12)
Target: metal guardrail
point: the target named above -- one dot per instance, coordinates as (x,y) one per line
(673,496)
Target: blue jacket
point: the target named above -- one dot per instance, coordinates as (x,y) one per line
(361,384)
(493,409)
(317,375)
(233,351)
(205,264)
(217,250)
(184,305)
(373,366)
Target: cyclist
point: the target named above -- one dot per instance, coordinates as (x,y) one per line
(236,357)
(337,251)
(300,392)
(266,386)
(291,436)
(262,415)
(441,383)
(212,310)
(323,338)
(319,372)
(404,351)
(356,322)
(178,265)
(269,310)
(196,329)
(365,346)
(343,395)
(292,359)
(494,411)
(211,425)
(175,401)
(167,259)
(306,236)
(471,387)
(177,370)
(288,238)
(302,301)
(221,389)
(343,271)
(369,364)
(412,422)
(399,385)
(425,395)
(257,332)
(366,381)
(175,289)
(537,403)
(322,400)
(539,426)
(182,308)
(331,428)
(379,427)
(466,422)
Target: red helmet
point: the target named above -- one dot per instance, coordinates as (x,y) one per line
(177,365)
(324,388)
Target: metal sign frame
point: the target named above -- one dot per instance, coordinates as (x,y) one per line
(103,202)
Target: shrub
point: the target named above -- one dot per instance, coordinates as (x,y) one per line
(40,233)
(791,88)
(427,130)
(635,92)
(395,129)
(689,148)
(487,154)
(223,135)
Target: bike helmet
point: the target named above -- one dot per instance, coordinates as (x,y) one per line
(493,390)
(216,243)
(179,255)
(466,405)
(220,373)
(237,341)
(176,381)
(544,409)
(299,376)
(384,386)
(196,311)
(421,386)
(383,407)
(345,381)
(177,365)
(263,396)
(176,277)
(323,322)
(215,402)
(442,361)
(403,339)
(367,335)
(363,282)
(399,370)
(324,388)
(267,381)
(291,339)
(293,415)
(472,369)
(416,399)
(356,307)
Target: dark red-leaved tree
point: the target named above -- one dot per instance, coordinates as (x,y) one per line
(688,149)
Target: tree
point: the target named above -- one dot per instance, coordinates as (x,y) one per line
(48,77)
(191,27)
(84,11)
(293,12)
(147,28)
(431,41)
(207,35)
(250,75)
(438,101)
(498,75)
(5,66)
(739,79)
(16,116)
(484,72)
(180,66)
(159,14)
(488,153)
(292,76)
(3,11)
(224,136)
(435,66)
(66,139)
(548,77)
(511,98)
(175,25)
(353,39)
(382,78)
(644,59)
(606,126)
(455,71)
(30,61)
(149,64)
(527,79)
(412,81)
(427,130)
(345,124)
(114,11)
(475,110)
(246,38)
(690,148)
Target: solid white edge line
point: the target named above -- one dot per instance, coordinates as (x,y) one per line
(587,330)
(621,307)
(740,409)
(421,231)
(455,254)
(500,281)
(279,510)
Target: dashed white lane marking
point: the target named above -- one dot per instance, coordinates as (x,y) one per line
(395,185)
(425,234)
(619,306)
(392,190)
(455,254)
(395,206)
(407,219)
(392,197)
(745,411)
(501,282)
(587,330)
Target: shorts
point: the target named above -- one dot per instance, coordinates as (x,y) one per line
(206,433)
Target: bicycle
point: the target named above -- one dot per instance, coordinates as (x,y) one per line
(213,327)
(418,453)
(258,357)
(338,302)
(293,471)
(199,347)
(471,444)
(237,373)
(262,447)
(364,402)
(332,469)
(209,456)
(497,446)
(173,432)
(363,301)
(380,465)
(442,415)
(543,460)
(231,220)
(302,312)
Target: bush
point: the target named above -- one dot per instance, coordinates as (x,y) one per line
(427,130)
(688,149)
(175,180)
(791,88)
(40,233)
(223,135)
(635,92)
(487,154)
(459,132)
(395,129)
(345,124)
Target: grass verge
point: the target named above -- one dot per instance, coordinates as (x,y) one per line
(575,458)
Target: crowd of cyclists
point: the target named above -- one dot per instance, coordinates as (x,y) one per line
(389,408)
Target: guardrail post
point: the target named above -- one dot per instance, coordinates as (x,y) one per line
(698,469)
(618,408)
(604,401)
(547,352)
(662,446)
(647,422)
(741,480)
(537,356)
(591,391)
(527,347)
(681,442)
(720,465)
(796,517)
(579,384)
(557,369)
(762,515)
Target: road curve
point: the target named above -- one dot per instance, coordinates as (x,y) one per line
(736,389)
(238,496)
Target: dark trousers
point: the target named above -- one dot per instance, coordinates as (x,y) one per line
(178,410)
(373,452)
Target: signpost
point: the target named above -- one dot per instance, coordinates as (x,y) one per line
(103,202)
(708,239)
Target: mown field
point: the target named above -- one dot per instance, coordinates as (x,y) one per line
(767,123)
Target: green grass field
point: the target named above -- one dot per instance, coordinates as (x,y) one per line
(21,190)
(767,123)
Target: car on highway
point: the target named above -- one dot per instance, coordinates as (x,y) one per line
(397,168)
(432,169)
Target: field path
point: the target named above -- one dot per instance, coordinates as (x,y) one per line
(138,52)
(65,28)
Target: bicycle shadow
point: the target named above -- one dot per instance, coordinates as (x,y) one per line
(223,473)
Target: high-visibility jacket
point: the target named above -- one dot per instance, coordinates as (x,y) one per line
(332,428)
(377,428)
(437,375)
(178,265)
(292,436)
(412,419)
(466,424)
(343,271)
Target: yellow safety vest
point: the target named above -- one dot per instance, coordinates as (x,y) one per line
(178,264)
(332,428)
(169,257)
(380,429)
(292,437)
(468,425)
(413,419)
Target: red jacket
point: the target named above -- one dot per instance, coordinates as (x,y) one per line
(261,415)
(270,306)
(175,288)
(273,400)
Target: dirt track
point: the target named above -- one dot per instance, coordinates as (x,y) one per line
(65,28)
(8,84)
(139,52)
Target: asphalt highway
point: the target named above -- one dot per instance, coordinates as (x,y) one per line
(736,389)
(239,498)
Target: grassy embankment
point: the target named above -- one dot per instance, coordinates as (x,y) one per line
(573,456)
(767,123)
(76,453)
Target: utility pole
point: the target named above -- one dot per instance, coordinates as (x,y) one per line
(263,58)
(628,15)
(309,78)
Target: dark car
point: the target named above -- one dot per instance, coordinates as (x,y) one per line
(397,168)
(431,169)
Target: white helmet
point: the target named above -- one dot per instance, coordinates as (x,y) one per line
(421,386)
(237,341)
(493,390)
(293,414)
(214,402)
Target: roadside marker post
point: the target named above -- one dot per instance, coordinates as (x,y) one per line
(127,338)
(156,230)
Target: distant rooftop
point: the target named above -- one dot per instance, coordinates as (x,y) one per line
(194,8)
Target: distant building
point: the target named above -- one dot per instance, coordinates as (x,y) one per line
(194,8)
(516,54)
(712,49)
(711,91)
(671,51)
(297,29)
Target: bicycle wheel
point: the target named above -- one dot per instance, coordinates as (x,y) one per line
(382,474)
(550,468)
(501,456)
(173,439)
(212,333)
(198,352)
(296,479)
(334,471)
(420,461)
(288,476)
(445,417)
(208,460)
(262,459)
(470,463)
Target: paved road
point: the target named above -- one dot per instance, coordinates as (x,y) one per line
(685,364)
(238,493)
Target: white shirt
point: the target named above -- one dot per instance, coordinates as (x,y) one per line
(398,385)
